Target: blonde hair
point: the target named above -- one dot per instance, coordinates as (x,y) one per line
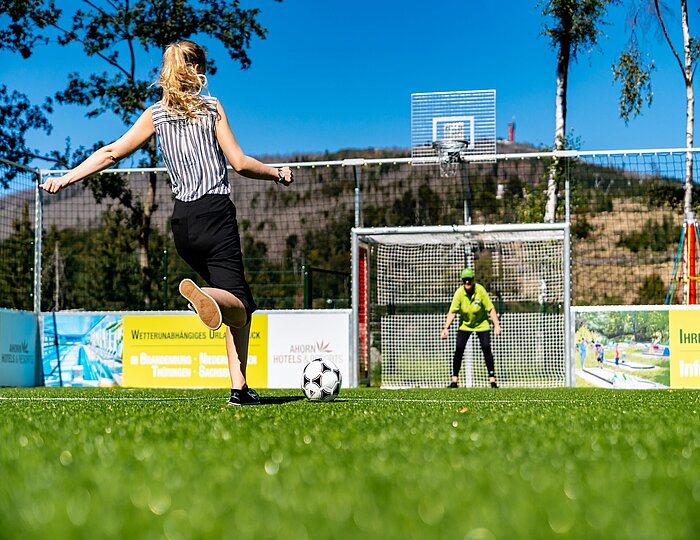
(182,78)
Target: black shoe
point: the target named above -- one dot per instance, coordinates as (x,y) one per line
(245,396)
(494,385)
(452,385)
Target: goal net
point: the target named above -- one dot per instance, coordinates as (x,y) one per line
(409,275)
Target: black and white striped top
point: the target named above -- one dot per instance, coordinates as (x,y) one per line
(194,159)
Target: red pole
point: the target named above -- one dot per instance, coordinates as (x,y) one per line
(363,312)
(692,240)
(681,276)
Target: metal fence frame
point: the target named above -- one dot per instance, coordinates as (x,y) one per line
(357,165)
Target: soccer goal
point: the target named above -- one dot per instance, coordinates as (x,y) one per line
(404,279)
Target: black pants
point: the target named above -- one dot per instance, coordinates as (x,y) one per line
(206,237)
(484,341)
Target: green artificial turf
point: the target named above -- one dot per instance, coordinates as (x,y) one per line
(409,464)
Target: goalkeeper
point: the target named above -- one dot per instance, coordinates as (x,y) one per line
(474,306)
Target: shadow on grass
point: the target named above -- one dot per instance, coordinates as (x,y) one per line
(278,400)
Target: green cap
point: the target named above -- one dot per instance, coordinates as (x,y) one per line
(467,273)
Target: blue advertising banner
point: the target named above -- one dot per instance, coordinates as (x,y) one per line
(82,349)
(18,354)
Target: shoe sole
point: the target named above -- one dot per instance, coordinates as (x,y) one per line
(205,306)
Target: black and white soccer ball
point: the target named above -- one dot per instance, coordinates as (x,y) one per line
(321,380)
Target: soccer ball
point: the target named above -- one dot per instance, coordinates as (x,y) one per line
(321,380)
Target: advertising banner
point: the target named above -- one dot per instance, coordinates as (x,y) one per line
(684,329)
(178,351)
(174,349)
(17,348)
(638,346)
(300,339)
(82,349)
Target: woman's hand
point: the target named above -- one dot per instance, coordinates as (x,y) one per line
(286,176)
(55,183)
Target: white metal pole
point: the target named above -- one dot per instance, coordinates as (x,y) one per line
(38,225)
(570,378)
(357,170)
(355,317)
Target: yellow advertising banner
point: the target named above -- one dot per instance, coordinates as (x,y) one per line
(256,374)
(162,351)
(684,333)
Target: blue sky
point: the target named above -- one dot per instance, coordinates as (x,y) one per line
(338,74)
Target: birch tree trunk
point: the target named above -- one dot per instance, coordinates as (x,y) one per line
(559,129)
(690,108)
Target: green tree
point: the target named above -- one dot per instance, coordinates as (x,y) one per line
(572,27)
(120,34)
(17,264)
(532,206)
(652,235)
(651,326)
(652,290)
(17,117)
(671,194)
(329,248)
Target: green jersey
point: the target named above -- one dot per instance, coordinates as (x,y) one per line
(473,308)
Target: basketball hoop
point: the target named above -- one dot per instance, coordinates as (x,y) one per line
(450,155)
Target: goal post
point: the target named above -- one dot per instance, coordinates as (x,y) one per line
(403,282)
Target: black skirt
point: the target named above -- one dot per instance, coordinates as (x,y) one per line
(206,237)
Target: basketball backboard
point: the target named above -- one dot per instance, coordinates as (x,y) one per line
(467,117)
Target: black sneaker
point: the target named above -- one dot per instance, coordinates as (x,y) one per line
(245,396)
(453,385)
(494,385)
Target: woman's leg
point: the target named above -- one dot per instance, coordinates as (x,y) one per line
(237,352)
(462,338)
(233,311)
(485,342)
(214,306)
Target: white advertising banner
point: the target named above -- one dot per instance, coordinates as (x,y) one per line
(296,338)
(17,348)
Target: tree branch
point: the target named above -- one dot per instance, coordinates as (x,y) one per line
(102,11)
(44,158)
(73,36)
(129,41)
(668,38)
